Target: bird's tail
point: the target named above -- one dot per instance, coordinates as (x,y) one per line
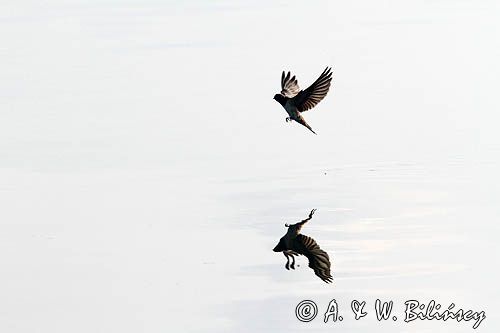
(311,129)
(302,121)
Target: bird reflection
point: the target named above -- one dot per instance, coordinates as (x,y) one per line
(295,243)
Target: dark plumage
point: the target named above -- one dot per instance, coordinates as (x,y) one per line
(296,101)
(294,243)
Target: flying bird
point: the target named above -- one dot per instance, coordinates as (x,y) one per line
(296,101)
(294,243)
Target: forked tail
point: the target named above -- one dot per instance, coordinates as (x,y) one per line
(311,129)
(301,121)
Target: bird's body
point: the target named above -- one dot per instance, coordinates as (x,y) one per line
(294,114)
(294,243)
(296,101)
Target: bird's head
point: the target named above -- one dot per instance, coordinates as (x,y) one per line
(280,99)
(280,246)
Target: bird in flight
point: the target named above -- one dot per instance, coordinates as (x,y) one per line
(294,243)
(296,101)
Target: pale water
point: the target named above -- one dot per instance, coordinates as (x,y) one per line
(146,173)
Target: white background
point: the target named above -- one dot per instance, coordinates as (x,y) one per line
(146,172)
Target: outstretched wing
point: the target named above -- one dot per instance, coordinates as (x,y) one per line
(319,260)
(307,99)
(289,85)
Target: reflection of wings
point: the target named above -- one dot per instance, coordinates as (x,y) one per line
(307,99)
(318,259)
(289,86)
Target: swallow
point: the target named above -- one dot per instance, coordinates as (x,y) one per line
(295,243)
(296,101)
